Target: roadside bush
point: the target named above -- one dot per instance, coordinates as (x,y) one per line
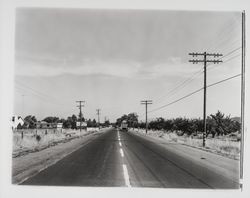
(217,125)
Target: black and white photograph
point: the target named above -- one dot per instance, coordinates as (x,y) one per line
(128,98)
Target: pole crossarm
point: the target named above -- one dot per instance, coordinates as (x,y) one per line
(208,54)
(195,61)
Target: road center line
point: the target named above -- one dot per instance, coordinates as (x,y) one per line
(126,176)
(120,143)
(121,151)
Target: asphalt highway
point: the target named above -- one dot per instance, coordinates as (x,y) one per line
(118,158)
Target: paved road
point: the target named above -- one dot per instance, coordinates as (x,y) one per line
(119,158)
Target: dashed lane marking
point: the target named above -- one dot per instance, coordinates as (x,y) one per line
(121,151)
(126,176)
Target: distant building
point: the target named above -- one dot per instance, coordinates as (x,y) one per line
(46,125)
(16,121)
(83,126)
(59,125)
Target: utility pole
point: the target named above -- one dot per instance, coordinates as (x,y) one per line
(80,115)
(98,114)
(146,103)
(205,61)
(243,54)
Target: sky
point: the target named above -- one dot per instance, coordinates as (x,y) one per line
(113,59)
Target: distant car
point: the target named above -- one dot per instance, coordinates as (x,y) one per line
(124,126)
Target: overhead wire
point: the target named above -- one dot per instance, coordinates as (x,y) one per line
(192,93)
(40,95)
(184,83)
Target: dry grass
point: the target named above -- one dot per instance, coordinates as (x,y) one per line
(46,138)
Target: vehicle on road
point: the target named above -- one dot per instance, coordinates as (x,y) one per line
(124,125)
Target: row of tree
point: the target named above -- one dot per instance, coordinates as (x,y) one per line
(217,124)
(69,123)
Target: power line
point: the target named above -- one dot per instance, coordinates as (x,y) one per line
(227,54)
(210,68)
(194,92)
(184,83)
(37,93)
(224,36)
(32,89)
(44,99)
(191,78)
(175,89)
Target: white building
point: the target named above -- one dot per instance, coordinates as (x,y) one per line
(15,121)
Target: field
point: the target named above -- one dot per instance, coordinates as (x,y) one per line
(223,145)
(32,140)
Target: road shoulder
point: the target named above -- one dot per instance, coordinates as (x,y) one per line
(26,166)
(220,164)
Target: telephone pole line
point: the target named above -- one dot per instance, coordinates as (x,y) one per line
(146,103)
(80,114)
(98,113)
(205,61)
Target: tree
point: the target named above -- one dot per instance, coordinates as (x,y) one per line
(94,123)
(74,118)
(67,123)
(132,119)
(106,123)
(51,119)
(81,116)
(119,120)
(157,124)
(30,122)
(70,122)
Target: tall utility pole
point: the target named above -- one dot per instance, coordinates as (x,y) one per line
(205,61)
(98,114)
(80,115)
(243,54)
(146,103)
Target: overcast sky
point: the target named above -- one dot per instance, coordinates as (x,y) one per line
(112,59)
